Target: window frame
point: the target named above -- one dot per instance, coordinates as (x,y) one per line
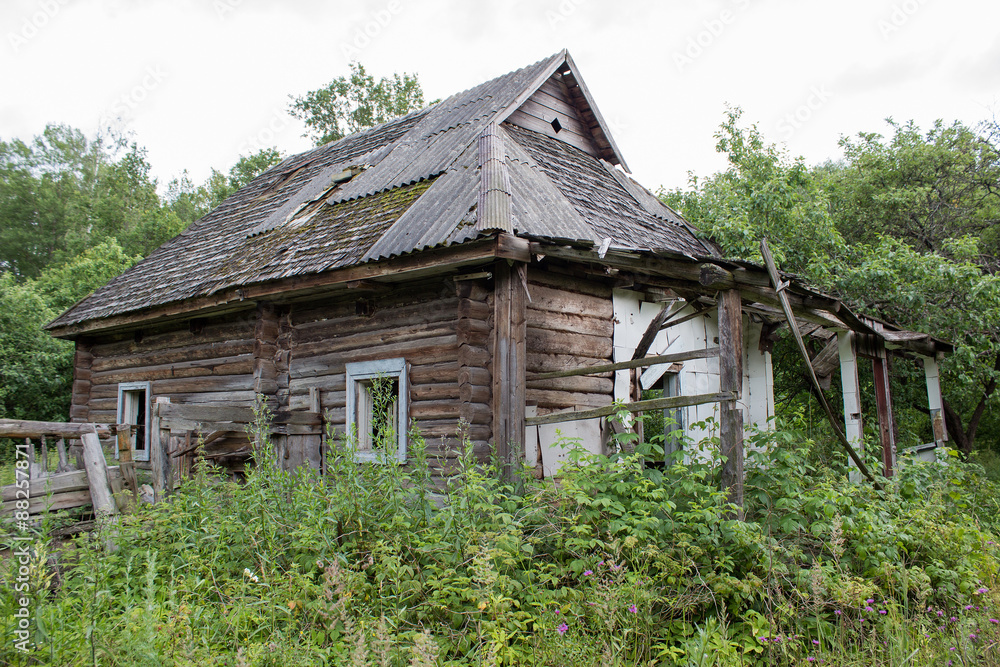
(133,387)
(360,371)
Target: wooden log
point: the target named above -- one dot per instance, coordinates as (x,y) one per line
(435,392)
(97,476)
(540,362)
(32,464)
(568,322)
(44,451)
(469,393)
(195,354)
(550,276)
(707,353)
(637,406)
(542,340)
(731,380)
(549,398)
(574,303)
(475,310)
(582,384)
(422,351)
(237,365)
(372,338)
(52,503)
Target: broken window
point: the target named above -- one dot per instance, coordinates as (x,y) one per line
(133,408)
(377,409)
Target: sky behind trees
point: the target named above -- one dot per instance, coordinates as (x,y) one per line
(201,82)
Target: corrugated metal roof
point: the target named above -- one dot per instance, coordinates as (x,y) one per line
(419,188)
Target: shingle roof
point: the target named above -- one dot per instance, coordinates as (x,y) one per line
(413,183)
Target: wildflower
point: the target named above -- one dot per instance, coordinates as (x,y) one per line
(968,607)
(882,611)
(811,659)
(869,609)
(954,619)
(870,601)
(601,564)
(562,629)
(632,608)
(558,611)
(952,648)
(980,591)
(837,612)
(973,635)
(816,642)
(762,640)
(994,621)
(587,573)
(940,614)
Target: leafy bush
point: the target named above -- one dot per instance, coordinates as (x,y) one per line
(616,563)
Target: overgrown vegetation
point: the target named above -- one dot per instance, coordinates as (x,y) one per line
(617,564)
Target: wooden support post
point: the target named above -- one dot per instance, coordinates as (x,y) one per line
(883,403)
(101,496)
(509,359)
(933,377)
(853,428)
(32,464)
(63,458)
(731,380)
(44,467)
(314,444)
(124,435)
(159,457)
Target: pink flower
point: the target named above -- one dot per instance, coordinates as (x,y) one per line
(632,608)
(837,612)
(816,642)
(587,573)
(882,611)
(562,629)
(762,640)
(994,621)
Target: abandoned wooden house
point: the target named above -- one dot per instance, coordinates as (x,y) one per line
(491,258)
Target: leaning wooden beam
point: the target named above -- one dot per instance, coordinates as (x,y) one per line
(790,317)
(125,459)
(97,476)
(637,406)
(667,312)
(707,353)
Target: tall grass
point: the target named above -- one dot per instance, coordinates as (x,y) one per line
(617,564)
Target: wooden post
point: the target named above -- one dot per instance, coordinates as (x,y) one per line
(314,444)
(44,467)
(124,435)
(32,464)
(883,403)
(509,358)
(932,376)
(731,380)
(101,496)
(63,458)
(159,457)
(853,429)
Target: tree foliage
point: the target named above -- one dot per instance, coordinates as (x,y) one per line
(349,104)
(902,228)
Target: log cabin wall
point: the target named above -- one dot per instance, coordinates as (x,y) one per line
(570,324)
(438,330)
(206,360)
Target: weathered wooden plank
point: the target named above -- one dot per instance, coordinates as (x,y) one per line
(706,353)
(584,324)
(509,358)
(423,351)
(434,392)
(420,310)
(52,503)
(237,365)
(731,380)
(574,303)
(23,428)
(567,279)
(238,326)
(97,475)
(207,383)
(529,122)
(158,451)
(403,333)
(544,340)
(540,362)
(637,406)
(583,384)
(548,398)
(124,434)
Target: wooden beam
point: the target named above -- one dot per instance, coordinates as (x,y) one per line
(666,312)
(637,406)
(707,353)
(22,428)
(790,318)
(159,459)
(731,380)
(97,476)
(883,405)
(124,432)
(509,359)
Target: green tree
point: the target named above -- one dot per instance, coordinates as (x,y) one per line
(220,186)
(349,104)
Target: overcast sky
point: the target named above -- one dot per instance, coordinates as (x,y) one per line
(201,81)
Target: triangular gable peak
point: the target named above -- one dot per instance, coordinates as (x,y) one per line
(561,107)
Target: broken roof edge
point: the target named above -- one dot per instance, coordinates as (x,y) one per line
(710,274)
